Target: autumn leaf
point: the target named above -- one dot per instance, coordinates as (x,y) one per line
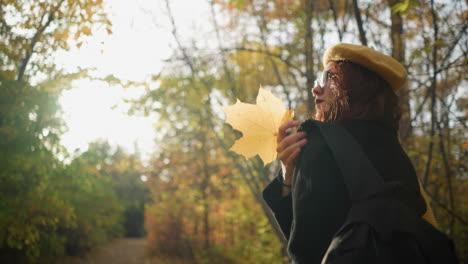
(259,125)
(62,35)
(77,35)
(86,30)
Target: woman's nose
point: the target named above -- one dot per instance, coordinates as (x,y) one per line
(317,90)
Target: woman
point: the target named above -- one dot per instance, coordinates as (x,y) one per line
(309,198)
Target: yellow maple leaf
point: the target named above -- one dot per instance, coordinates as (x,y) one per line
(259,124)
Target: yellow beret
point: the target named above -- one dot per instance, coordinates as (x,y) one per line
(385,66)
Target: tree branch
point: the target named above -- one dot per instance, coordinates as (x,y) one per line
(262,25)
(357,14)
(448,210)
(309,54)
(35,39)
(230,80)
(433,95)
(266,52)
(30,50)
(335,19)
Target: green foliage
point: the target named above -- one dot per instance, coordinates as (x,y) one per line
(92,196)
(403,7)
(47,207)
(115,175)
(31,209)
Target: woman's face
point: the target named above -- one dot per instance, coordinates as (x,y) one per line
(324,91)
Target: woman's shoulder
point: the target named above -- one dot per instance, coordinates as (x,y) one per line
(368,134)
(369,127)
(316,141)
(311,123)
(311,126)
(361,128)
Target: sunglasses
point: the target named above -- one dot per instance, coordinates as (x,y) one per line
(322,79)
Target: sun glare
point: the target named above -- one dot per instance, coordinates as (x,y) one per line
(94,110)
(139,43)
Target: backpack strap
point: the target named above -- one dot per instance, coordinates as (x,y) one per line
(360,176)
(363,181)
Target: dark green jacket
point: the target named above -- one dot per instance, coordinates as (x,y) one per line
(319,201)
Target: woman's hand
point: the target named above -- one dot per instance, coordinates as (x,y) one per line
(289,146)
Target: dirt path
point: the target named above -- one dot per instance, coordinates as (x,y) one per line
(120,251)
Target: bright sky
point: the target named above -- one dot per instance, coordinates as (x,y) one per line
(141,39)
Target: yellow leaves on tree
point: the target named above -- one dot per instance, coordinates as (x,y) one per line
(86,30)
(259,125)
(61,35)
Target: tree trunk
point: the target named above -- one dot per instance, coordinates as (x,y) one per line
(335,19)
(398,53)
(357,14)
(309,62)
(204,190)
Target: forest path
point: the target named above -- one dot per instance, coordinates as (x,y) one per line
(120,251)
